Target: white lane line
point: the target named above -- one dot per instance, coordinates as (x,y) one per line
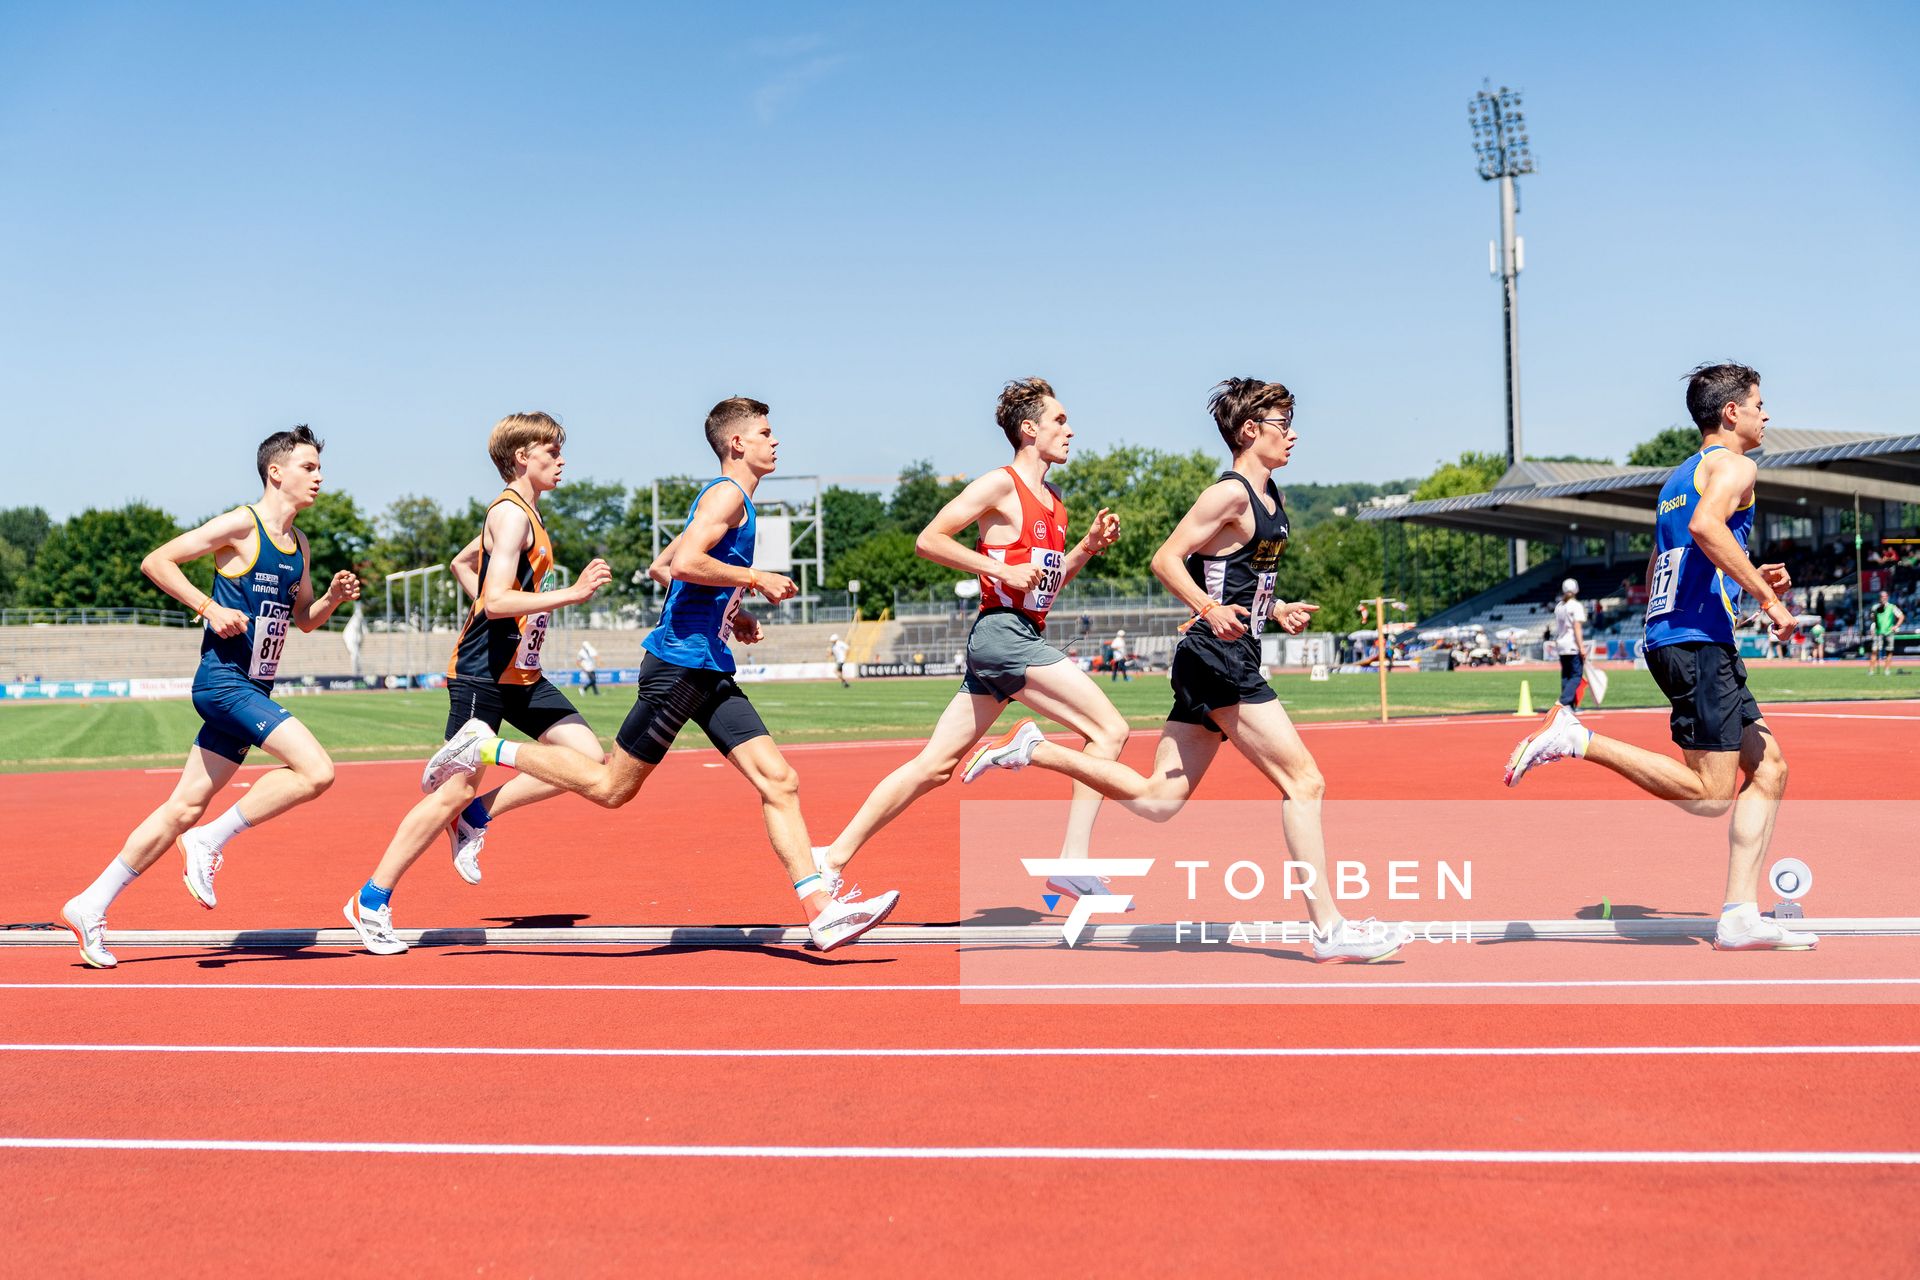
(1357,987)
(1249,1155)
(1005,1051)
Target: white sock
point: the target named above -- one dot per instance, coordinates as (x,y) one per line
(225,827)
(100,894)
(1744,914)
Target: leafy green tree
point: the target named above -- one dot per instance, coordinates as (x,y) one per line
(583,518)
(414,532)
(93,560)
(919,495)
(338,534)
(13,570)
(1668,449)
(1335,564)
(1310,504)
(25,528)
(852,516)
(884,564)
(1471,473)
(1149,489)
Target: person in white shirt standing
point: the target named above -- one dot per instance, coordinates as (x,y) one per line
(839,648)
(1119,669)
(1569,641)
(587,668)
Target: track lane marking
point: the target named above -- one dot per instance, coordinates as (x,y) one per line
(1254,1155)
(999,1051)
(924,987)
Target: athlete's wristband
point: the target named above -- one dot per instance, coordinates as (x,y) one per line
(753,581)
(205,605)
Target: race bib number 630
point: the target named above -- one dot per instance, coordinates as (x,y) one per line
(1052,567)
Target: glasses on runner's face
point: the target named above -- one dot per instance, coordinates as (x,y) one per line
(1286,423)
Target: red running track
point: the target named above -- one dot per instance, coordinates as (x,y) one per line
(304,1213)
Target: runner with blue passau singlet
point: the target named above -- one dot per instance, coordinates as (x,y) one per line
(262,587)
(1695,578)
(688,675)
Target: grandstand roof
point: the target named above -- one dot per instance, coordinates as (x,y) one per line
(1803,469)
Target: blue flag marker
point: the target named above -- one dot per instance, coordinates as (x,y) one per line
(1051,899)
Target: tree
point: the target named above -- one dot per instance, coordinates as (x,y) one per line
(1668,449)
(1148,489)
(1335,564)
(884,564)
(13,570)
(852,516)
(582,518)
(93,560)
(414,532)
(919,495)
(1472,473)
(25,528)
(339,536)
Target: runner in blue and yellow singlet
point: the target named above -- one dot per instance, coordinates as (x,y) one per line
(262,586)
(688,674)
(1695,577)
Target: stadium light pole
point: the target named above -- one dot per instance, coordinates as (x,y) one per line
(1500,144)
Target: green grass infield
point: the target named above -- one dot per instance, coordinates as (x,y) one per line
(409,724)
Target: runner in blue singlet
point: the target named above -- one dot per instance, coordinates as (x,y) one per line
(1699,567)
(688,675)
(262,586)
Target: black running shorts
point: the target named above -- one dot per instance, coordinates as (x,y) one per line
(671,695)
(531,708)
(1707,685)
(1210,673)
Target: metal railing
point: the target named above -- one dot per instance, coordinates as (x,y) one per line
(96,617)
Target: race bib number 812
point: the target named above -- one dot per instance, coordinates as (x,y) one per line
(269,639)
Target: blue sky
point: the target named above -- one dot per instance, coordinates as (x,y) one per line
(398,222)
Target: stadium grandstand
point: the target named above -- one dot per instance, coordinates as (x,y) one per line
(1815,489)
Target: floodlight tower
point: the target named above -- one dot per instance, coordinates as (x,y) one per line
(1500,143)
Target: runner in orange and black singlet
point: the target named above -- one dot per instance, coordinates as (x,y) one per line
(495,672)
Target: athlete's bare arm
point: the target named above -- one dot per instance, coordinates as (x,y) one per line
(162,567)
(465,568)
(661,570)
(510,532)
(720,508)
(1218,522)
(980,501)
(310,614)
(1730,478)
(1101,534)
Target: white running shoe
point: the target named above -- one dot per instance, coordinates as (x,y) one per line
(1358,942)
(90,931)
(1080,887)
(842,922)
(1563,735)
(465,840)
(1011,750)
(202,860)
(374,927)
(1760,933)
(461,754)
